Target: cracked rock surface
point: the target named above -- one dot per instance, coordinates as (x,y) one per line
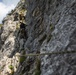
(50,27)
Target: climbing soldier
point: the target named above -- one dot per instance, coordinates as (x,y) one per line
(22,36)
(23,30)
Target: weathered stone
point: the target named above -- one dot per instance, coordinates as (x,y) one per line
(51,27)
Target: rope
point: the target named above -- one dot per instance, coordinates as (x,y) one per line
(59,52)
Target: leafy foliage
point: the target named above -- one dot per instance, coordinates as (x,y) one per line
(11,67)
(21,59)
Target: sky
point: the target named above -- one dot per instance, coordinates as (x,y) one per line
(6,6)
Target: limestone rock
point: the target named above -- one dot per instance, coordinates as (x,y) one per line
(50,27)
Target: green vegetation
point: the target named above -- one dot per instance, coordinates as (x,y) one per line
(22,58)
(11,67)
(38,65)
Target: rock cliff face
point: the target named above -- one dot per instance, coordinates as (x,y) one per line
(50,26)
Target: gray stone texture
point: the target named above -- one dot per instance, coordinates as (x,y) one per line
(51,27)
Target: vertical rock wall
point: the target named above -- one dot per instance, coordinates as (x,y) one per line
(51,27)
